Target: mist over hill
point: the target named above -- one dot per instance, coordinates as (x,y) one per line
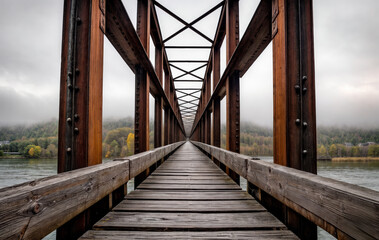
(118,138)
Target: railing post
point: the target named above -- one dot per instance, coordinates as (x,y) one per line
(294,96)
(232,84)
(80,110)
(142,85)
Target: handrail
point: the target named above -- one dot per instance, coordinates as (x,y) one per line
(342,209)
(34,209)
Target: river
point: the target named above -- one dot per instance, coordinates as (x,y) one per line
(365,174)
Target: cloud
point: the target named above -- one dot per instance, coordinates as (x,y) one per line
(347,60)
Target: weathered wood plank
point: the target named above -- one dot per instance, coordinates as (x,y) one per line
(189,195)
(189,181)
(253,235)
(339,207)
(189,206)
(188,221)
(34,209)
(189,187)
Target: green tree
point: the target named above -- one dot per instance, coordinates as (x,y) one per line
(333,150)
(321,151)
(1,153)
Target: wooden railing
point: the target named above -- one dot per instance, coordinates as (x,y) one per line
(34,209)
(344,210)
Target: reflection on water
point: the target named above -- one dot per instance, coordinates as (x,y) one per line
(365,174)
(19,170)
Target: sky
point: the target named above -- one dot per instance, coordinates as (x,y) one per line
(346,62)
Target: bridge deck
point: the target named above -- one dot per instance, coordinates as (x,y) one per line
(189,197)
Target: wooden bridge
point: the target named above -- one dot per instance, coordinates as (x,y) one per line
(187,186)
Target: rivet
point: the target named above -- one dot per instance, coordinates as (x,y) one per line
(297,121)
(77,71)
(76,117)
(305,78)
(69,74)
(305,152)
(68,149)
(305,89)
(78,20)
(76,130)
(69,120)
(69,86)
(305,124)
(297,88)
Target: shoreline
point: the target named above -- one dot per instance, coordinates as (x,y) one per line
(350,159)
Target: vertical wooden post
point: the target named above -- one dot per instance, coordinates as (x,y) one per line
(80,109)
(141,117)
(294,96)
(232,85)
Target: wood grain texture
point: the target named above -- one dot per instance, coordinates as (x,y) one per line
(188,221)
(338,207)
(34,209)
(253,235)
(208,206)
(202,205)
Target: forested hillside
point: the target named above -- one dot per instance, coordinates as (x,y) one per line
(40,140)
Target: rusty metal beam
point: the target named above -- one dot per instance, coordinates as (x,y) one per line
(122,35)
(80,108)
(256,38)
(294,96)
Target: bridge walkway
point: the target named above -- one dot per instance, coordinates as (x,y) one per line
(188,197)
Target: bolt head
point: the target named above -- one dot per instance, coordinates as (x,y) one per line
(68,150)
(305,78)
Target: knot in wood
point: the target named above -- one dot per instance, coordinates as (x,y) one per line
(36,207)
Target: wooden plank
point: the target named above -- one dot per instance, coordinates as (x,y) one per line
(338,207)
(189,206)
(234,161)
(188,221)
(189,195)
(253,235)
(188,187)
(188,178)
(34,209)
(188,181)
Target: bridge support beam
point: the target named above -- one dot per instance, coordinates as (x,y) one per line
(142,85)
(294,96)
(232,85)
(80,110)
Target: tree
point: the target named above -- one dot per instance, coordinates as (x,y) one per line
(321,151)
(333,150)
(52,150)
(1,153)
(32,151)
(130,144)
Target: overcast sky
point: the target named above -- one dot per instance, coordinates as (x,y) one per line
(346,48)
